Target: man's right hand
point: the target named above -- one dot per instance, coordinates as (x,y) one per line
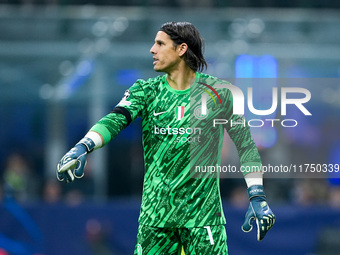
(73,162)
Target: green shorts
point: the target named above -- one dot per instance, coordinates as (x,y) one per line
(210,240)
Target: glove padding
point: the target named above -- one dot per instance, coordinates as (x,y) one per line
(258,210)
(73,162)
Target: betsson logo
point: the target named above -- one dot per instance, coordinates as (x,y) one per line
(176,131)
(180,131)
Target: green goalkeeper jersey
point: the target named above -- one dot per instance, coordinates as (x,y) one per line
(179,140)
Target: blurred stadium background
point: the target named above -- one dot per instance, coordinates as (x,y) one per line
(64,64)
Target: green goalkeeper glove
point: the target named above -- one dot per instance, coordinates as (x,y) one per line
(72,164)
(258,210)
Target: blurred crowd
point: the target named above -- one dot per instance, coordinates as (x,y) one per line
(19,180)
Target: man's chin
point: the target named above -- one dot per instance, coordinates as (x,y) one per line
(158,69)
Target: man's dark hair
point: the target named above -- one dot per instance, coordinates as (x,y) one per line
(185,32)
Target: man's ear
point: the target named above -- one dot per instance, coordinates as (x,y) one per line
(181,49)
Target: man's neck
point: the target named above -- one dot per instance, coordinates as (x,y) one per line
(181,79)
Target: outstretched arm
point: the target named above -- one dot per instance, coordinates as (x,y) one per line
(72,164)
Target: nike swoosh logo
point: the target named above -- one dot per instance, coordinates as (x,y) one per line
(158,113)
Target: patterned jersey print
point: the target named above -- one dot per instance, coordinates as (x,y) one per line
(177,138)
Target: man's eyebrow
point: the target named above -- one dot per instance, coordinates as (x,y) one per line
(159,41)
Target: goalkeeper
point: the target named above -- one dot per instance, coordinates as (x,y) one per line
(178,210)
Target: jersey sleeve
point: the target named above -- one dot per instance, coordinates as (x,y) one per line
(133,101)
(239,132)
(127,110)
